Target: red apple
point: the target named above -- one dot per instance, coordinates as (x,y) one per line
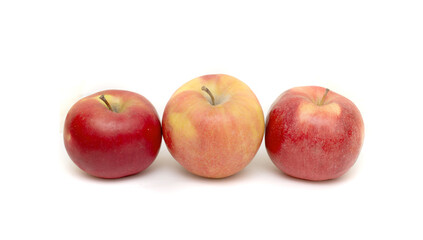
(213,125)
(112,134)
(313,133)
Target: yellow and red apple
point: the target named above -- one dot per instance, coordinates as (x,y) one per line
(313,133)
(112,134)
(213,125)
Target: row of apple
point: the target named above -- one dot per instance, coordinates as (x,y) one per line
(213,126)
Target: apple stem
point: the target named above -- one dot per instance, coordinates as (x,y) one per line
(322,101)
(205,89)
(106,102)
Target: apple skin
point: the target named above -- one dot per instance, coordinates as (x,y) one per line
(213,141)
(109,144)
(313,142)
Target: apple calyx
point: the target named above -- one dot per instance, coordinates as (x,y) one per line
(205,89)
(106,102)
(322,101)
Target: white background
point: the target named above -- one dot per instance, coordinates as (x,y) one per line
(54,52)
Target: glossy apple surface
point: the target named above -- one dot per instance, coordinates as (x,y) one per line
(114,138)
(313,136)
(213,140)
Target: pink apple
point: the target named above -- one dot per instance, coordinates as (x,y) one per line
(213,125)
(112,134)
(313,133)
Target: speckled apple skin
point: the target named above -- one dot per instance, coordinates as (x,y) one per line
(313,142)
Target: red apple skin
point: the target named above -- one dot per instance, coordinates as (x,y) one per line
(313,142)
(109,144)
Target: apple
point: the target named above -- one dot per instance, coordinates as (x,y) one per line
(112,134)
(313,133)
(213,125)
